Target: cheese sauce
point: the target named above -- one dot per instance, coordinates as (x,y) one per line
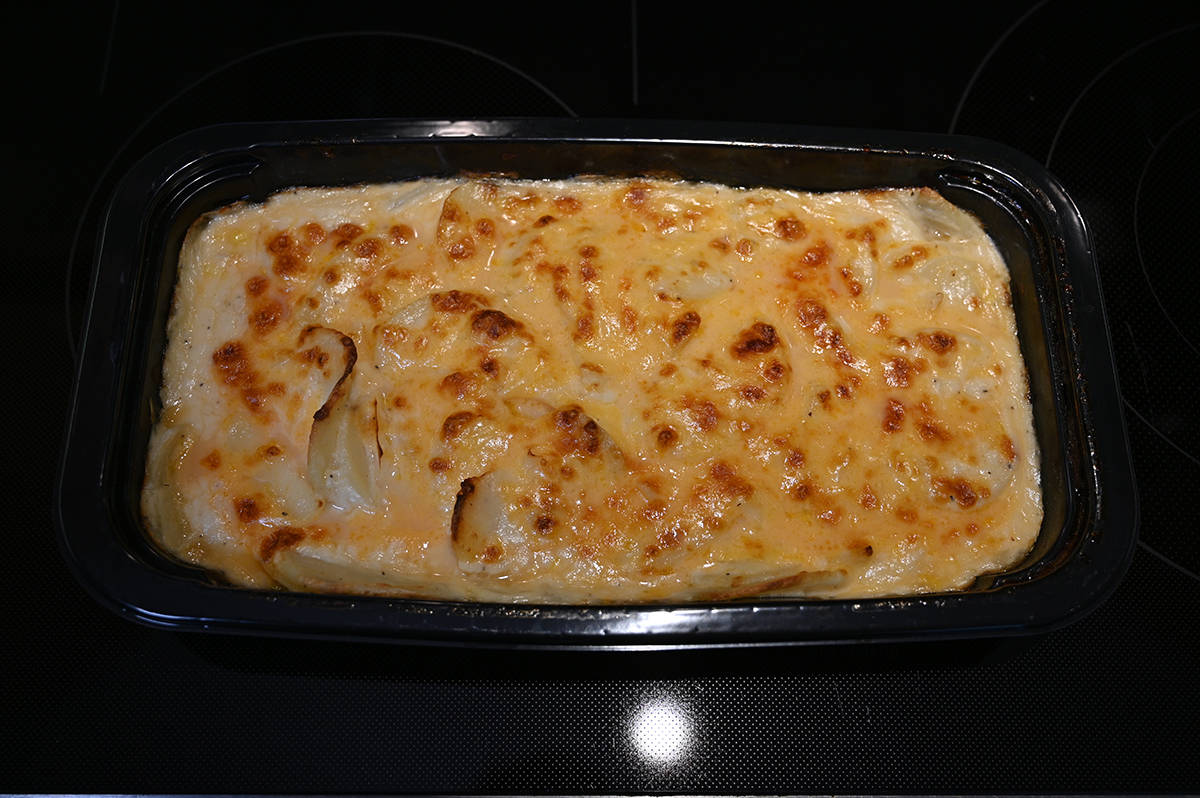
(593,391)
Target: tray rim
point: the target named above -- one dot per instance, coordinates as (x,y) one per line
(119,581)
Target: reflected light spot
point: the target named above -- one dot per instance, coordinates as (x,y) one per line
(662,730)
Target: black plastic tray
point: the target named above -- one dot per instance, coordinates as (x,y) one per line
(1090,524)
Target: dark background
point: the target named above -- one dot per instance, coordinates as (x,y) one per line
(1106,96)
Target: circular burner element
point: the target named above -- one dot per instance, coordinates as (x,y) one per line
(366,74)
(1165,209)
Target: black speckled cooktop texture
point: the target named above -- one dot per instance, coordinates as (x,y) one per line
(1107,97)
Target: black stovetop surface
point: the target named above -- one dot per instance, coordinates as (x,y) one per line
(1106,97)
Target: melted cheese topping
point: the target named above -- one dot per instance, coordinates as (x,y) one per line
(594,391)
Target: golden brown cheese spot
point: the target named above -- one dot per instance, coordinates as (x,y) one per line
(313,233)
(577,438)
(401,234)
(455,301)
(458,384)
(745,248)
(331,276)
(728,481)
(544,524)
(490,366)
(794,459)
(774,371)
(811,312)
(635,197)
(212,460)
(910,258)
(703,413)
(813,317)
(279,243)
(266,317)
(462,248)
(932,431)
(374,301)
(456,423)
(287,253)
(233,365)
(937,341)
(816,255)
(584,327)
(629,319)
(287,263)
(720,244)
(898,372)
(255,286)
(269,452)
(493,324)
(368,248)
(852,284)
(893,415)
(667,370)
(907,515)
(752,393)
(789,228)
(558,274)
(281,538)
(542,221)
(567,205)
(758,339)
(1007,448)
(314,356)
(666,436)
(960,490)
(683,327)
(255,398)
(439,464)
(880,323)
(801,490)
(485,228)
(587,272)
(865,235)
(665,541)
(867,499)
(247,509)
(344,233)
(523,202)
(655,510)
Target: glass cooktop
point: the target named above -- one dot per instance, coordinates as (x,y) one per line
(1105,96)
